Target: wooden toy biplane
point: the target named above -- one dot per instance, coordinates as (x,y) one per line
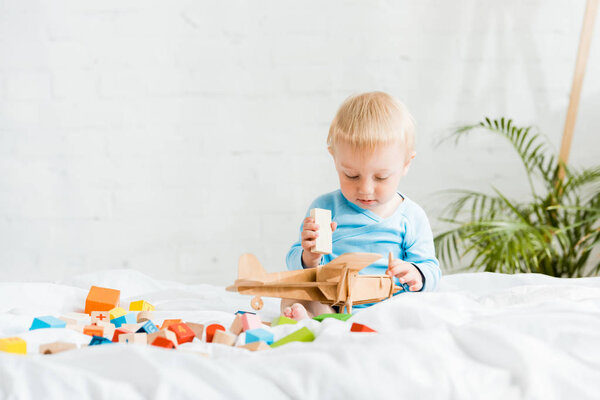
(337,283)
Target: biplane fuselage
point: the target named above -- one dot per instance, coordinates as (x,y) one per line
(337,283)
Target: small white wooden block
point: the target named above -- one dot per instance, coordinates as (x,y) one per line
(323,219)
(224,338)
(100,316)
(140,338)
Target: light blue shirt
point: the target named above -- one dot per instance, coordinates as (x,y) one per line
(406,233)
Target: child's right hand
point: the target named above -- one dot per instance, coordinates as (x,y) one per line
(310,232)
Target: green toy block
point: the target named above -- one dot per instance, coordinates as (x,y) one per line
(341,317)
(301,335)
(282,320)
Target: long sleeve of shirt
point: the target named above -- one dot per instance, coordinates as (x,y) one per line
(406,233)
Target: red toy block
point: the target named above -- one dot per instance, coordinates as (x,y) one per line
(93,330)
(101,299)
(161,341)
(118,332)
(168,322)
(356,327)
(183,332)
(210,331)
(251,321)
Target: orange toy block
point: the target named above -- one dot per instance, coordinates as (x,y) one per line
(93,330)
(223,337)
(100,316)
(163,342)
(119,332)
(183,332)
(197,328)
(13,345)
(167,334)
(356,327)
(210,331)
(168,322)
(101,299)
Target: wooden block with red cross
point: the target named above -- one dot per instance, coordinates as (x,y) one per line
(100,316)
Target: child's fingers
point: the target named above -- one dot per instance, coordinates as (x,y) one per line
(415,286)
(333,226)
(398,271)
(309,235)
(310,227)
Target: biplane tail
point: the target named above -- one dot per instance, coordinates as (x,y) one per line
(249,268)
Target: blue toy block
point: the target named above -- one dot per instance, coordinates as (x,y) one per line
(47,321)
(148,327)
(129,318)
(96,340)
(257,335)
(244,312)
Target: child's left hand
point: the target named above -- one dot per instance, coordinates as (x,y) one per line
(406,273)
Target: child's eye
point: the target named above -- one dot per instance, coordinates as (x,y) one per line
(351,177)
(381,179)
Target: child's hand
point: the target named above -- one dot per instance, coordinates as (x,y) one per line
(309,236)
(406,273)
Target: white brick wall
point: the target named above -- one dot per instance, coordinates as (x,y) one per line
(173,136)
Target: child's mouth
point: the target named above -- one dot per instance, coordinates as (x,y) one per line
(366,202)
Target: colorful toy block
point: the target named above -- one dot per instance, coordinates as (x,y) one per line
(323,242)
(210,331)
(101,299)
(163,342)
(147,327)
(256,346)
(197,328)
(109,331)
(132,328)
(93,330)
(167,334)
(47,321)
(183,332)
(118,333)
(100,316)
(98,340)
(301,335)
(223,337)
(340,316)
(56,347)
(129,318)
(251,321)
(140,305)
(117,312)
(240,312)
(236,326)
(283,320)
(168,322)
(356,327)
(13,345)
(257,335)
(144,316)
(137,338)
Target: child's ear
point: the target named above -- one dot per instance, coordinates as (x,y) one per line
(409,159)
(330,149)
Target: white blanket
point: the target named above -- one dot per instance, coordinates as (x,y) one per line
(480,336)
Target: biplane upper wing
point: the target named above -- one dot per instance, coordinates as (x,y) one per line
(353,261)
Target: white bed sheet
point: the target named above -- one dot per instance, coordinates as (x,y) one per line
(480,336)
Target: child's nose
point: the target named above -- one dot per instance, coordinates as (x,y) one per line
(365,187)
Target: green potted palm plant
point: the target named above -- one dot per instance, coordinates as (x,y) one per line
(553,232)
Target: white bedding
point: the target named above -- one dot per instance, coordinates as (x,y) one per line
(480,336)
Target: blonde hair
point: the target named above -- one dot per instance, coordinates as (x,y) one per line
(368,120)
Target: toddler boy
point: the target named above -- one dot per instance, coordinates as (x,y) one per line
(371,140)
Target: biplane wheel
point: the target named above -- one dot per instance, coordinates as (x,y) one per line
(257,303)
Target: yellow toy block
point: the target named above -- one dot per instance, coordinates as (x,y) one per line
(117,312)
(13,345)
(140,305)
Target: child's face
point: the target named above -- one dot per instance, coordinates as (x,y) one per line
(371,180)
